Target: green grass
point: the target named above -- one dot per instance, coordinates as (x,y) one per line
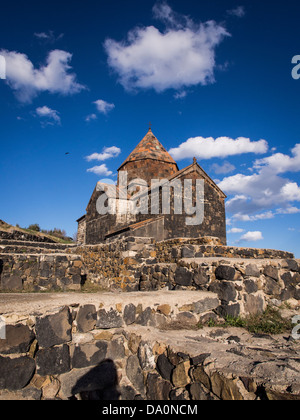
(269,322)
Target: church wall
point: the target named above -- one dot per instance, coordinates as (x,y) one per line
(97,226)
(149,169)
(175,226)
(81,233)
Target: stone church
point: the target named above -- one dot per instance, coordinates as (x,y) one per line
(139,210)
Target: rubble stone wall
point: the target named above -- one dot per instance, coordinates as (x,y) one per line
(95,352)
(37,273)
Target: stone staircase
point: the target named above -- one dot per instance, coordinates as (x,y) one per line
(13,246)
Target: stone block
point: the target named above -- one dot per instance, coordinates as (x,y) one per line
(157,388)
(16,373)
(116,349)
(18,339)
(292,265)
(225,389)
(135,374)
(164,309)
(179,394)
(200,277)
(272,288)
(199,375)
(180,374)
(186,319)
(232,310)
(254,305)
(198,393)
(250,286)
(53,361)
(225,272)
(90,380)
(145,317)
(205,305)
(183,277)
(145,356)
(252,270)
(164,367)
(86,318)
(109,319)
(88,354)
(11,282)
(188,252)
(271,272)
(224,289)
(129,314)
(53,330)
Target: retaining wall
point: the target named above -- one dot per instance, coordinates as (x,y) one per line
(107,351)
(37,273)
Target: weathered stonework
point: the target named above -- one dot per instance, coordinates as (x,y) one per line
(35,272)
(245,279)
(144,362)
(150,161)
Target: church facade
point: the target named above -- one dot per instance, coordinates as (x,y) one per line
(153,198)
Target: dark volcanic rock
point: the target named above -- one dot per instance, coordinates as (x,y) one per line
(53,361)
(18,339)
(225,272)
(157,388)
(183,277)
(16,373)
(129,314)
(89,354)
(224,289)
(107,320)
(53,330)
(86,318)
(164,367)
(135,373)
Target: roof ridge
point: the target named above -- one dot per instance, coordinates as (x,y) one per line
(149,148)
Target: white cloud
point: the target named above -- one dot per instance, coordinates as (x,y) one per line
(91,117)
(236,230)
(101,170)
(182,55)
(48,36)
(28,81)
(281,163)
(252,237)
(107,153)
(221,147)
(50,115)
(222,169)
(249,218)
(291,191)
(288,210)
(238,11)
(103,106)
(264,189)
(180,95)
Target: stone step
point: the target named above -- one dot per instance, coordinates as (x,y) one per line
(45,245)
(17,234)
(16,249)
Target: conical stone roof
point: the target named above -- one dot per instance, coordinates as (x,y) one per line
(149,148)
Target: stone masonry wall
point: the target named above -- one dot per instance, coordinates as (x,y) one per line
(98,352)
(37,273)
(244,286)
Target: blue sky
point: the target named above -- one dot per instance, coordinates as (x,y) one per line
(214,78)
